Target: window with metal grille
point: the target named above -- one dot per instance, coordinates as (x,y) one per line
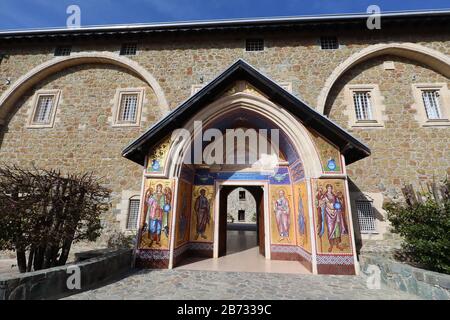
(363,105)
(128,49)
(241,195)
(431,103)
(43,111)
(329,43)
(366,217)
(63,51)
(133,213)
(241,215)
(128,108)
(254,45)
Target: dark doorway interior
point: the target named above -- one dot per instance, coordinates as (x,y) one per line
(241,215)
(239,237)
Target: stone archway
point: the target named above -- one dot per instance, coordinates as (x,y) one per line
(315,153)
(259,107)
(52,66)
(435,59)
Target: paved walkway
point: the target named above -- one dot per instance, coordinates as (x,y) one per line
(243,256)
(188,284)
(245,261)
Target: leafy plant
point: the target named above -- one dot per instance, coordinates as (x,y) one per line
(425,227)
(119,240)
(43,212)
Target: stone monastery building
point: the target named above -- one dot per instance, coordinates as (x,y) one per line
(359,113)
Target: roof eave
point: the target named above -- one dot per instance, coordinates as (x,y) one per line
(167,26)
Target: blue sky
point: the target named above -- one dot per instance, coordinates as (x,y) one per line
(21,14)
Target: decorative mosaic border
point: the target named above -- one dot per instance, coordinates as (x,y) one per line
(192,246)
(291,249)
(153,254)
(164,254)
(180,250)
(204,177)
(337,260)
(201,246)
(297,171)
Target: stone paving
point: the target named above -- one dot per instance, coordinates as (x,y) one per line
(186,284)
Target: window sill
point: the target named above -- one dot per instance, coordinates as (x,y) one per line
(126,125)
(368,124)
(437,123)
(39,126)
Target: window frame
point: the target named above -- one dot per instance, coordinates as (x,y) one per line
(374,222)
(444,104)
(322,38)
(56,98)
(62,48)
(118,104)
(255,39)
(124,44)
(244,198)
(137,200)
(376,104)
(359,110)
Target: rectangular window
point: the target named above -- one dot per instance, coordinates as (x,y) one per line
(241,215)
(241,195)
(128,108)
(63,51)
(329,43)
(44,108)
(128,49)
(431,102)
(45,103)
(366,217)
(363,105)
(133,213)
(254,45)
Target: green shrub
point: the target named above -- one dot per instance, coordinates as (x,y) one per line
(425,228)
(119,240)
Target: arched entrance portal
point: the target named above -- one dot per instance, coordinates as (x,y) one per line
(212,183)
(298,177)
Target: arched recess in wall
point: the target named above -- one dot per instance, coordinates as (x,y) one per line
(430,57)
(27,81)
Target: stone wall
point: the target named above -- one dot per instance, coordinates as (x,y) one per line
(83,138)
(52,283)
(234,204)
(423,283)
(180,61)
(402,151)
